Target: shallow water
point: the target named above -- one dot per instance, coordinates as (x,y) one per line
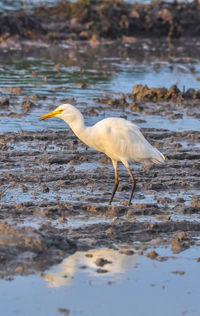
(86,74)
(132,285)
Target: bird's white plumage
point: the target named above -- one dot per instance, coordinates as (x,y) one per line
(123,141)
(118,138)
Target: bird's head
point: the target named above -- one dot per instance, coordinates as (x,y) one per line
(66,112)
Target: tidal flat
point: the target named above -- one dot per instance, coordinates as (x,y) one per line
(63,250)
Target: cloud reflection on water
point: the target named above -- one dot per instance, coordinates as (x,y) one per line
(119,263)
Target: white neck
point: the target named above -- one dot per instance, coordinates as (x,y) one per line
(77,125)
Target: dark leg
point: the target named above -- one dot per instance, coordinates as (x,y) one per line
(116,182)
(133,185)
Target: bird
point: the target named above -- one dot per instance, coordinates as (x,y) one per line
(118,138)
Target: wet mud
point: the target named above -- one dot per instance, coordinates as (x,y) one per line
(94,20)
(55,192)
(144,93)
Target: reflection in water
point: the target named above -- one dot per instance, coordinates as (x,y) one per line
(117,263)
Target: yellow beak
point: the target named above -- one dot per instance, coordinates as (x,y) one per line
(50,114)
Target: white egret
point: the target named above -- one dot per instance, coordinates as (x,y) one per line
(118,138)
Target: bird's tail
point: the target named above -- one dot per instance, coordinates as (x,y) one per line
(158,158)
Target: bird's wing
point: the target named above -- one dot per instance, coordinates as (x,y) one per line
(140,149)
(123,140)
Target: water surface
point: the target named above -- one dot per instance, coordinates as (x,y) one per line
(132,285)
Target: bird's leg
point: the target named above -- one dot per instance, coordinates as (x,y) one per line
(133,185)
(116,182)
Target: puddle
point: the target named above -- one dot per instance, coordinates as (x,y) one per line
(74,222)
(158,74)
(132,284)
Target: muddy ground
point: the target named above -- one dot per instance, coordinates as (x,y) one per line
(55,192)
(95,20)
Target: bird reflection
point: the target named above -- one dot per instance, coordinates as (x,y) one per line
(112,262)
